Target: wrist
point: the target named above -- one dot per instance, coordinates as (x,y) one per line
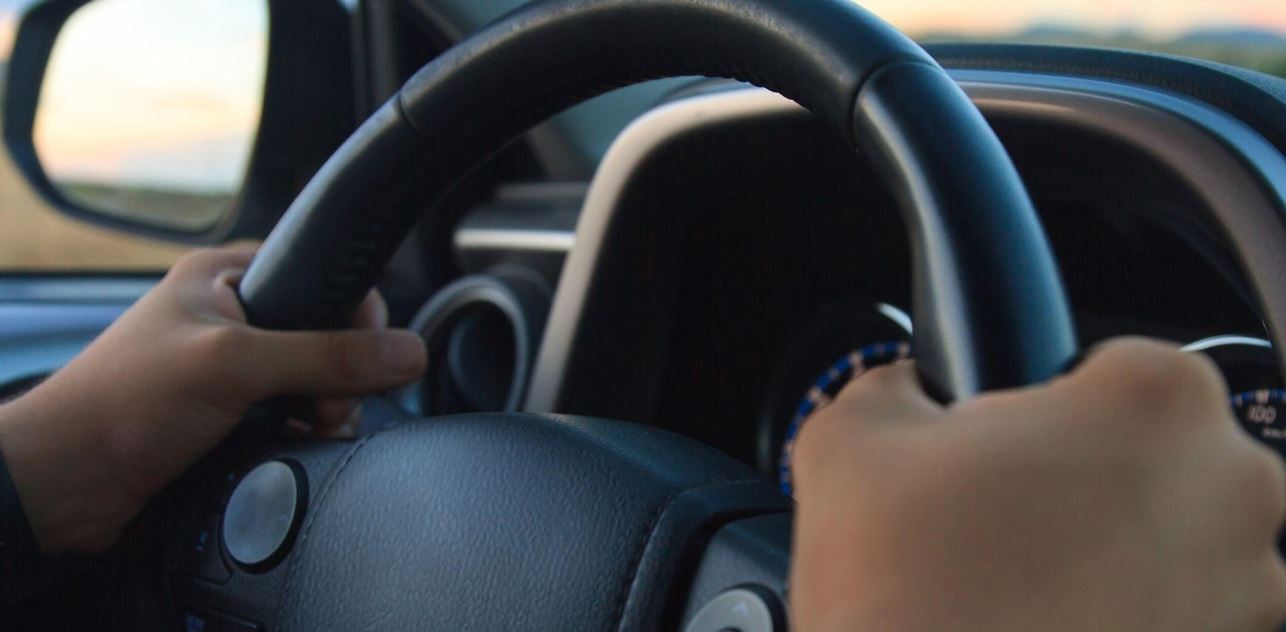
(54,456)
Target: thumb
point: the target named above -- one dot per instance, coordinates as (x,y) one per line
(883,400)
(889,393)
(342,362)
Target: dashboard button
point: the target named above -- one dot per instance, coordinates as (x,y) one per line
(200,556)
(237,625)
(194,621)
(201,620)
(225,487)
(740,609)
(263,514)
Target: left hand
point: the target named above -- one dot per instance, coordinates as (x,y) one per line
(165,384)
(1122,496)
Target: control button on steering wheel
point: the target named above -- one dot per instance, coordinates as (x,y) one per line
(263,514)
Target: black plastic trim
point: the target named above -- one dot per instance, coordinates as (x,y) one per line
(1253,97)
(522,297)
(477,97)
(1233,169)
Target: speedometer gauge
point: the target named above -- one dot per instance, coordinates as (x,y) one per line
(1261,414)
(846,369)
(1248,365)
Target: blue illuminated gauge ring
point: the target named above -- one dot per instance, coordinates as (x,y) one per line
(828,386)
(1257,411)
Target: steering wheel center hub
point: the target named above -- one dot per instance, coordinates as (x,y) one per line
(561,523)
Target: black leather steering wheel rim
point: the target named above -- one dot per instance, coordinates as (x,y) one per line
(509,521)
(989,307)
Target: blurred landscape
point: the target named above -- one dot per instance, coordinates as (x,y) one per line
(1257,49)
(34,237)
(190,211)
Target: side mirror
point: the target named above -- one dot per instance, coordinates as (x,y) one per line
(148,111)
(187,120)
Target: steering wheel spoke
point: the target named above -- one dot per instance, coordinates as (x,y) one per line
(570,522)
(519,521)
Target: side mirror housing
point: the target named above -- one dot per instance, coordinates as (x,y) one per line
(193,122)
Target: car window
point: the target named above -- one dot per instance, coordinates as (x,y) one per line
(1247,33)
(36,238)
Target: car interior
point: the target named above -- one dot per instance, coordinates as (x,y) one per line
(699,218)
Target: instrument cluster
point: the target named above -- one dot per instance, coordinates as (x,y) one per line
(1257,394)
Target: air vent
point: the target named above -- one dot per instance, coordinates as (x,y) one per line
(482,334)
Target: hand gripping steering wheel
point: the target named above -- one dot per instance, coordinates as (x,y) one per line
(507,521)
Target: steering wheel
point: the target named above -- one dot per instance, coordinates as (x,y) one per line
(540,522)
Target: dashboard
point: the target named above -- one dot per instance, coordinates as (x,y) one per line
(733,264)
(1248,365)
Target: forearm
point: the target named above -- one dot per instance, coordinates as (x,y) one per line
(56,460)
(19,553)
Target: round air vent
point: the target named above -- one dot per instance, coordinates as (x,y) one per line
(482,334)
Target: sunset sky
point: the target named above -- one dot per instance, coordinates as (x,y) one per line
(154,92)
(1160,18)
(168,91)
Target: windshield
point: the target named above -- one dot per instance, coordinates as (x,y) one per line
(1248,33)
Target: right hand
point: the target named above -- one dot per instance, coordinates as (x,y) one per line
(165,384)
(1123,496)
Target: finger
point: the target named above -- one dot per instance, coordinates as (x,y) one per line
(346,431)
(210,261)
(372,313)
(333,363)
(890,393)
(1263,486)
(1150,374)
(331,413)
(226,300)
(298,428)
(1151,363)
(887,397)
(238,254)
(229,277)
(212,274)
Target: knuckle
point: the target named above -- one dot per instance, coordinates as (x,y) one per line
(825,435)
(185,264)
(1156,375)
(880,378)
(1135,356)
(1266,478)
(815,434)
(1202,374)
(870,385)
(1130,347)
(206,261)
(193,260)
(843,429)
